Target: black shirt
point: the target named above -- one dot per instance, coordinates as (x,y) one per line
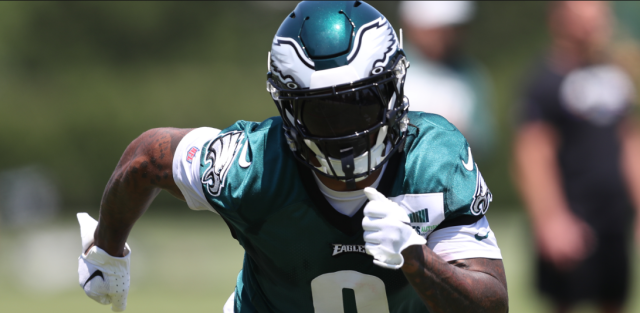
(586,107)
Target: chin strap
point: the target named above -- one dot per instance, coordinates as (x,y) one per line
(348,166)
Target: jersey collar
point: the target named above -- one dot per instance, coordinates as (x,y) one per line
(350,226)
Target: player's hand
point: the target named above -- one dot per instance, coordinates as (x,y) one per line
(387,231)
(104,278)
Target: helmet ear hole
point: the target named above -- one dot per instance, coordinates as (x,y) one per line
(292,85)
(377,70)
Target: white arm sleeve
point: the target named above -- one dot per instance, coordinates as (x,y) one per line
(465,242)
(186,167)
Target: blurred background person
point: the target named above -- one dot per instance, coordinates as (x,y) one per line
(576,156)
(442,79)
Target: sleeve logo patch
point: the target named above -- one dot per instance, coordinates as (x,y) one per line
(219,156)
(482,196)
(191,154)
(425,211)
(420,222)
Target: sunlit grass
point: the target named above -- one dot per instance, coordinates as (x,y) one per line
(188,262)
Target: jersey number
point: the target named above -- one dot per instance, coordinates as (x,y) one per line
(349,292)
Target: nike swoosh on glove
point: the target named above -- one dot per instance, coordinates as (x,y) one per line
(387,230)
(104,278)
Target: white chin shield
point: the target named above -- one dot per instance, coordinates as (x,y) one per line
(361,162)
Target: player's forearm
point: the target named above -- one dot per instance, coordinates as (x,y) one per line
(472,285)
(125,199)
(142,172)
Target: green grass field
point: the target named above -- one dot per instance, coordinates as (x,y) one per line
(188,262)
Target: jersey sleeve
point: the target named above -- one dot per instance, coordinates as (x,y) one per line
(465,231)
(440,177)
(186,166)
(465,241)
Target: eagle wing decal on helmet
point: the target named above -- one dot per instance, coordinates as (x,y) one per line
(290,63)
(373,38)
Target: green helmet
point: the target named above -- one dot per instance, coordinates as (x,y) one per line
(336,74)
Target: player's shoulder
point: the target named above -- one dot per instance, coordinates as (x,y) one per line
(438,180)
(434,139)
(430,120)
(436,150)
(248,164)
(269,125)
(263,140)
(221,146)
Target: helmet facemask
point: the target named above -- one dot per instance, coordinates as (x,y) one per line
(346,131)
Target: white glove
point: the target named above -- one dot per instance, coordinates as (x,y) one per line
(387,230)
(104,278)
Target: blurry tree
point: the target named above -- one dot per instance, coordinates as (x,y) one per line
(80,80)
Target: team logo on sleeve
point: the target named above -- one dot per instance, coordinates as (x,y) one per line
(219,156)
(482,197)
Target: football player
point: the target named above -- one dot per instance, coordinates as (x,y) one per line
(345,202)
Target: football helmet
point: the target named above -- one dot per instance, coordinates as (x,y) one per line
(336,74)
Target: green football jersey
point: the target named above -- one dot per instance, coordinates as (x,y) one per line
(301,255)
